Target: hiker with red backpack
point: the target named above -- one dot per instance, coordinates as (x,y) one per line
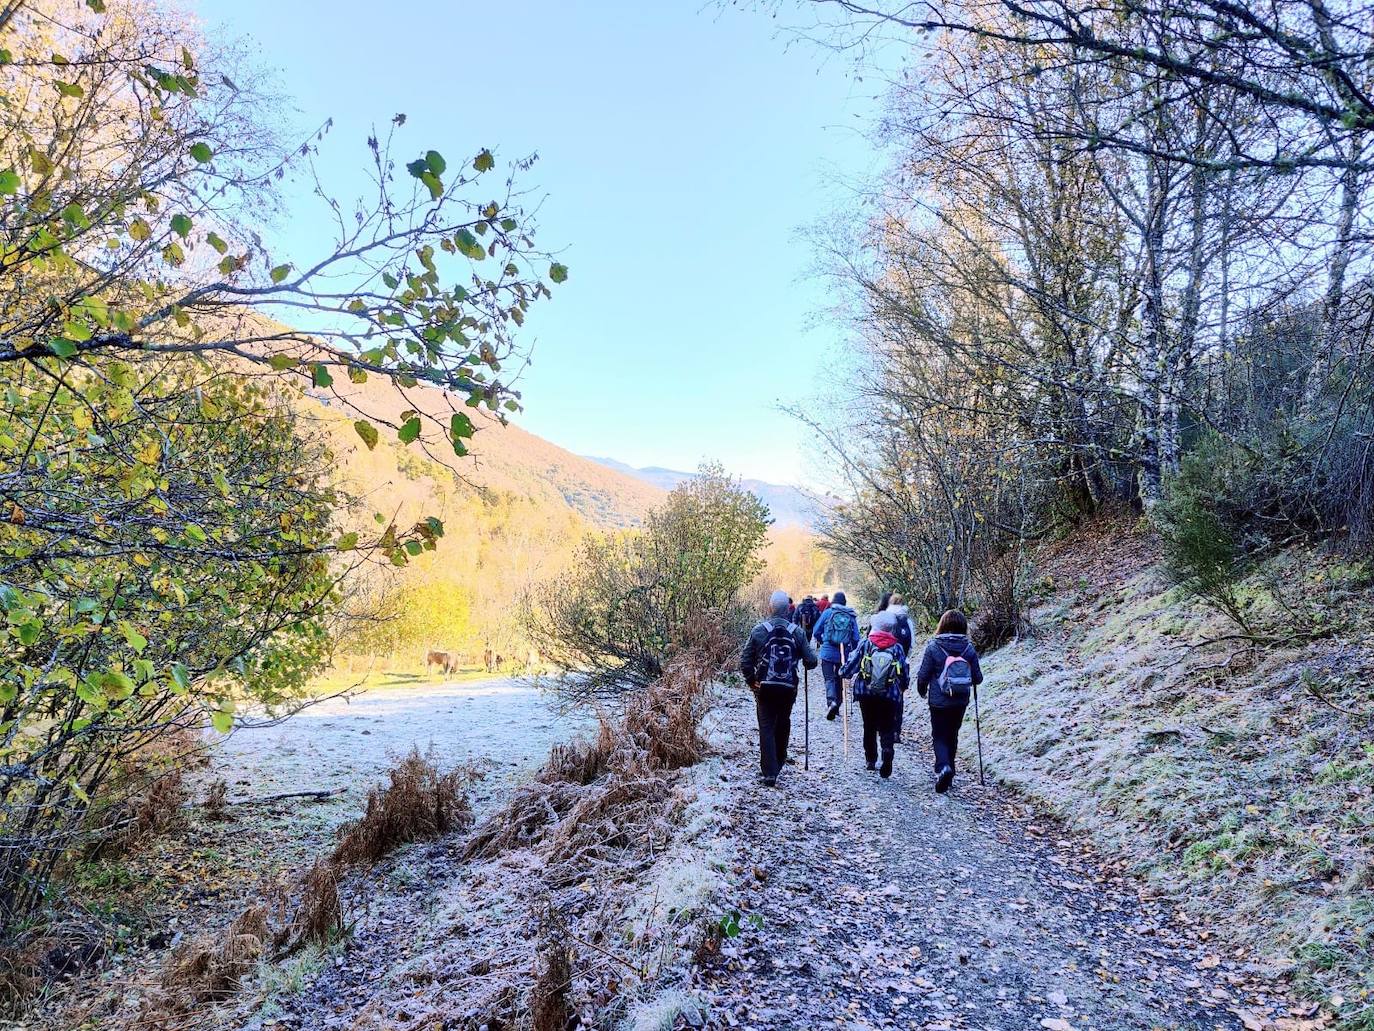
(769,665)
(880,672)
(948,678)
(837,633)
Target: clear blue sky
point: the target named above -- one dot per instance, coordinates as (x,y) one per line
(682,146)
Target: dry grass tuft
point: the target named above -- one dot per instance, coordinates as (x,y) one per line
(319,915)
(159,808)
(216,801)
(18,982)
(210,969)
(419,803)
(580,761)
(549,1007)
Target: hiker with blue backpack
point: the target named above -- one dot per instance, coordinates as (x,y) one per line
(769,665)
(948,678)
(880,671)
(837,634)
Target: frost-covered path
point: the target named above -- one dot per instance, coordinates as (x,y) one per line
(866,904)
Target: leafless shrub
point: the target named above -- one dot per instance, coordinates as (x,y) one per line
(419,803)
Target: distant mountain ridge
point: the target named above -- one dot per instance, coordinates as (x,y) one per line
(791,506)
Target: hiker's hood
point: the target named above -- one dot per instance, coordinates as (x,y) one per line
(885,620)
(899,610)
(843,608)
(882,639)
(952,641)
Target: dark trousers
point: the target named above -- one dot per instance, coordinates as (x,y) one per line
(944,734)
(831,672)
(774,705)
(878,714)
(898,713)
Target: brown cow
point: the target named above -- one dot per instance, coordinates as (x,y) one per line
(444,660)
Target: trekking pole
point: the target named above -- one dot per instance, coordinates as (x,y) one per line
(844,709)
(978,731)
(806,713)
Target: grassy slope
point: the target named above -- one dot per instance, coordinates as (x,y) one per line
(1214,771)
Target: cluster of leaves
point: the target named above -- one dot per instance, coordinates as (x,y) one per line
(631,600)
(171,541)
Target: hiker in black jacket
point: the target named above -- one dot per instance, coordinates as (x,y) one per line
(769,664)
(948,676)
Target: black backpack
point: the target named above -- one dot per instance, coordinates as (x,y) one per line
(903,633)
(777,662)
(807,614)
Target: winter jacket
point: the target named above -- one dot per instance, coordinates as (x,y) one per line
(933,664)
(831,652)
(854,667)
(758,638)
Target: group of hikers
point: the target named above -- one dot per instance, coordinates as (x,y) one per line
(877,663)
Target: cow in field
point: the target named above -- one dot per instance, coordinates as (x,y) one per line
(444,660)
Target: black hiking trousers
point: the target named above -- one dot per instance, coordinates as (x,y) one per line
(774,705)
(879,727)
(944,734)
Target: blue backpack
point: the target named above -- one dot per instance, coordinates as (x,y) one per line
(840,628)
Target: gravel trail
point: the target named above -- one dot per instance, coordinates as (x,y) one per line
(871,904)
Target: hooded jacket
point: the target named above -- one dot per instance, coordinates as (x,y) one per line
(831,652)
(879,640)
(933,664)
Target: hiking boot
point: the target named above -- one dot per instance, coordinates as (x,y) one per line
(885,770)
(770,782)
(944,780)
(872,764)
(833,711)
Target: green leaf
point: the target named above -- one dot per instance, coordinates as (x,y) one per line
(347,542)
(558,272)
(280,272)
(435,162)
(61,348)
(181,225)
(409,430)
(484,162)
(436,188)
(181,676)
(9,182)
(135,640)
(460,426)
(201,152)
(69,89)
(368,432)
(321,376)
(98,6)
(222,721)
(78,331)
(508,225)
(139,230)
(195,533)
(214,240)
(281,362)
(418,167)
